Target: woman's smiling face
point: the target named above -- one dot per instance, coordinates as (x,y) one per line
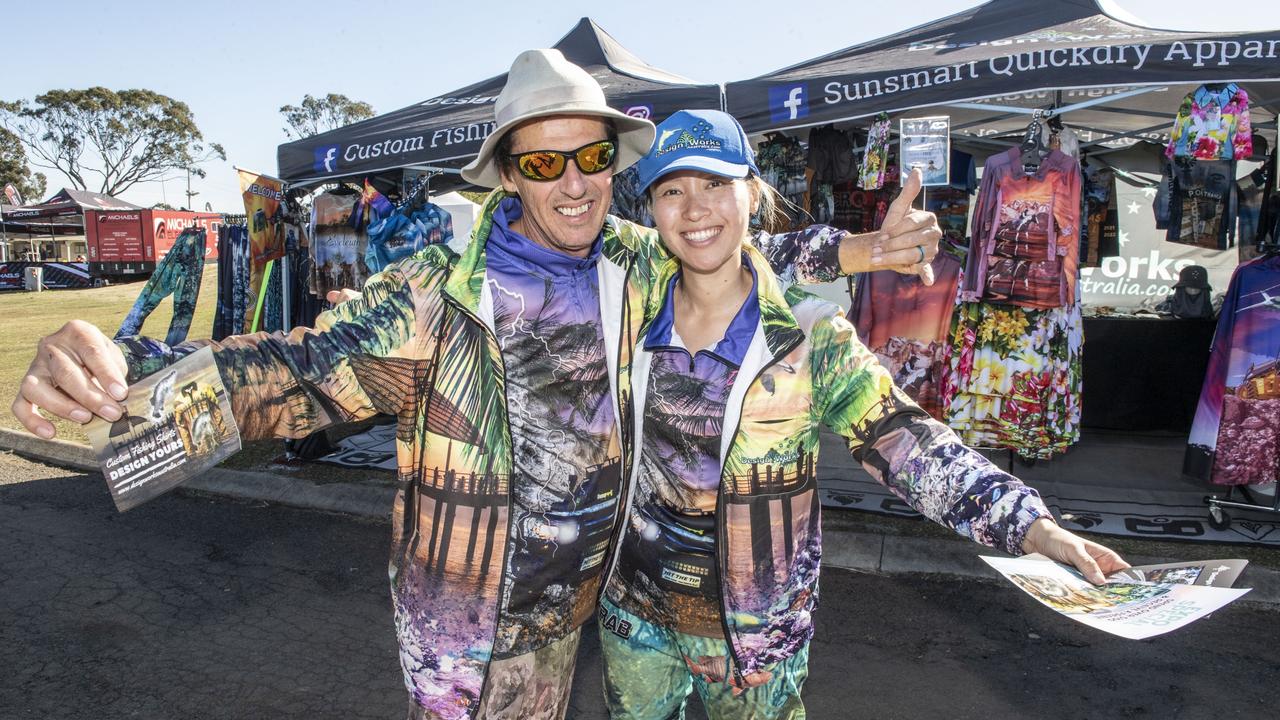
(703,218)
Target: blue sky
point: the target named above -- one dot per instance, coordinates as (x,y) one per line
(235,63)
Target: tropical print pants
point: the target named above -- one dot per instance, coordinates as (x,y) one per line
(649,671)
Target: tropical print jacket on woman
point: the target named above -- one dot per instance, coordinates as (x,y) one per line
(805,368)
(420,344)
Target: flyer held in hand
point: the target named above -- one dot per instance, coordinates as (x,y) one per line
(176,424)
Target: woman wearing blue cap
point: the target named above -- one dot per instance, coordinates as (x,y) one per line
(715,576)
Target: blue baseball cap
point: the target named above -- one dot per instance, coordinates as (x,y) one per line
(708,140)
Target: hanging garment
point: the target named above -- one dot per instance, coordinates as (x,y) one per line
(233,281)
(1235,437)
(1268,232)
(831,156)
(875,159)
(337,248)
(1013,378)
(178,273)
(907,323)
(1162,203)
(1251,191)
(950,203)
(1212,124)
(628,202)
(1097,189)
(782,162)
(404,233)
(951,206)
(1025,239)
(303,304)
(272,318)
(822,204)
(1202,204)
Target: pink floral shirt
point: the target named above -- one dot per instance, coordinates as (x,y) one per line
(1212,125)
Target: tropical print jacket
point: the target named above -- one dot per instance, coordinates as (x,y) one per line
(806,368)
(419,344)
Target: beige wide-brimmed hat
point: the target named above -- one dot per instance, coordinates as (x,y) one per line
(542,83)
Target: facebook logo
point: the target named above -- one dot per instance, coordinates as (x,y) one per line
(326,159)
(788,103)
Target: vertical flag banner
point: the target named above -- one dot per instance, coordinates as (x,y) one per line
(263,197)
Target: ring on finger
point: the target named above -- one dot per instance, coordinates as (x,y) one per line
(921,249)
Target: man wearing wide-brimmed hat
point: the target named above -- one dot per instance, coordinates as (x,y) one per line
(503,367)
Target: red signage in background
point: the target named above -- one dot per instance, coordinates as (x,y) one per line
(131,242)
(167,225)
(119,237)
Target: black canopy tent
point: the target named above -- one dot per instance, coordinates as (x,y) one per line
(446,132)
(60,215)
(991,66)
(65,208)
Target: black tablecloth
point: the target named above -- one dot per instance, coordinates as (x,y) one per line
(1143,373)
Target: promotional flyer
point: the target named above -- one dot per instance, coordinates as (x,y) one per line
(177,423)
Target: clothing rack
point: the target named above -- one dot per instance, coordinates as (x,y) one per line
(1220,520)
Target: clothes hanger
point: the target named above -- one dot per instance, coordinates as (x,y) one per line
(1031,150)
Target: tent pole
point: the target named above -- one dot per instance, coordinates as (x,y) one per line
(1010,109)
(984,121)
(1122,136)
(1104,100)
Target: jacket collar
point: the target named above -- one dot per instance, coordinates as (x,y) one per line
(466,280)
(781,332)
(731,348)
(621,241)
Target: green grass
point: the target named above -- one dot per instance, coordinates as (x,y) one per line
(26,317)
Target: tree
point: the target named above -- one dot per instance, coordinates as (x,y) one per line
(14,169)
(317,115)
(125,137)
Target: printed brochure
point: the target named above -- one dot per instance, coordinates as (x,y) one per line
(1137,603)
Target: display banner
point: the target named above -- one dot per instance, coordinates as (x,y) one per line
(997,48)
(12,195)
(262,198)
(449,129)
(55,275)
(1148,265)
(925,143)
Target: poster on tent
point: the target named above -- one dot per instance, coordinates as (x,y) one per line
(926,144)
(1146,268)
(263,196)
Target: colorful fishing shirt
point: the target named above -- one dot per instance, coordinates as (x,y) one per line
(875,159)
(564,434)
(907,323)
(1026,244)
(666,571)
(1212,124)
(1235,437)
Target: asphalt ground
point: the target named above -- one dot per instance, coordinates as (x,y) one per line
(210,607)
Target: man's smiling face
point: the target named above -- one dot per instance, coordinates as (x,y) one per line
(567,213)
